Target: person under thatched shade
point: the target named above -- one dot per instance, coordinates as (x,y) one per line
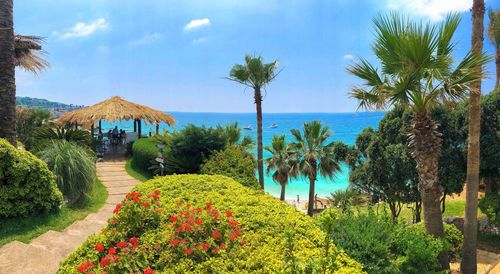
(116,109)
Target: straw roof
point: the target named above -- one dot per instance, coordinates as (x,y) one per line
(27,53)
(115,109)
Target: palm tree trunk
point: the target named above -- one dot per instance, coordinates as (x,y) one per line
(260,153)
(469,259)
(282,194)
(497,62)
(7,73)
(312,182)
(425,142)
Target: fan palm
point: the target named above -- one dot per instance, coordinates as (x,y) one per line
(15,50)
(280,162)
(232,134)
(256,75)
(417,73)
(494,36)
(312,155)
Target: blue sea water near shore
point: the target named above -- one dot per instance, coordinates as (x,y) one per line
(345,128)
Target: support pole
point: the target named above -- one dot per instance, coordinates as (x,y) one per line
(100,127)
(139,127)
(135,125)
(157,128)
(92,131)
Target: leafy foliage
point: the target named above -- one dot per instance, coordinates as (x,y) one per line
(490,205)
(280,162)
(254,73)
(78,136)
(233,162)
(345,199)
(28,121)
(262,220)
(144,152)
(384,247)
(74,167)
(26,184)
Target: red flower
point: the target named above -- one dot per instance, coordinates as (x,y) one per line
(174,218)
(223,245)
(205,246)
(233,223)
(121,244)
(179,229)
(145,204)
(112,251)
(134,241)
(215,250)
(199,221)
(84,266)
(198,210)
(187,251)
(174,242)
(148,271)
(243,241)
(158,211)
(103,231)
(181,242)
(179,203)
(208,204)
(216,235)
(233,236)
(117,208)
(216,217)
(137,199)
(229,213)
(99,247)
(104,261)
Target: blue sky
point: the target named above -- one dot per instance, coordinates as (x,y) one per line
(173,55)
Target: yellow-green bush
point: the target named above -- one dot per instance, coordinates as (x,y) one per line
(26,184)
(144,151)
(263,219)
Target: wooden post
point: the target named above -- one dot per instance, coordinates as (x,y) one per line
(135,125)
(92,131)
(157,128)
(139,127)
(100,127)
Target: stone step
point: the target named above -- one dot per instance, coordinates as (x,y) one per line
(130,182)
(84,228)
(113,199)
(59,243)
(119,189)
(117,178)
(20,258)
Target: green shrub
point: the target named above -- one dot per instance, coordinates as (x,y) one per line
(146,224)
(233,162)
(452,236)
(74,167)
(382,246)
(28,120)
(144,152)
(26,184)
(490,205)
(48,133)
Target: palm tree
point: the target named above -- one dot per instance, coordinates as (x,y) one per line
(417,73)
(232,134)
(312,155)
(15,50)
(280,162)
(469,260)
(256,75)
(494,35)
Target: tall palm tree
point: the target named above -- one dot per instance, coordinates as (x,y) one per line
(312,155)
(494,35)
(417,73)
(15,50)
(232,134)
(469,260)
(280,162)
(256,75)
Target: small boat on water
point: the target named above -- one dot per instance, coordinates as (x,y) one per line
(249,127)
(274,126)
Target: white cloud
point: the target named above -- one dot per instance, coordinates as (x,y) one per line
(82,29)
(348,57)
(146,39)
(197,23)
(435,10)
(200,40)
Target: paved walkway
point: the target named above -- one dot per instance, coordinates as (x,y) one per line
(43,254)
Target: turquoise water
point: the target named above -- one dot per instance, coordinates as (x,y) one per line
(345,128)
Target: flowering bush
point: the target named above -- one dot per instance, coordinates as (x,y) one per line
(202,224)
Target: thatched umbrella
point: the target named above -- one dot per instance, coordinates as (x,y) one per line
(116,109)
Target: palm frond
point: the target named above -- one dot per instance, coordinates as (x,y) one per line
(27,53)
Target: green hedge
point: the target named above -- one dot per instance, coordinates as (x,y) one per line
(490,205)
(26,184)
(233,162)
(262,218)
(144,151)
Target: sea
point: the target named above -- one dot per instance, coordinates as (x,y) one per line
(344,126)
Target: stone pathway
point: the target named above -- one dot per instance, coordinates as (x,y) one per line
(487,263)
(44,253)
